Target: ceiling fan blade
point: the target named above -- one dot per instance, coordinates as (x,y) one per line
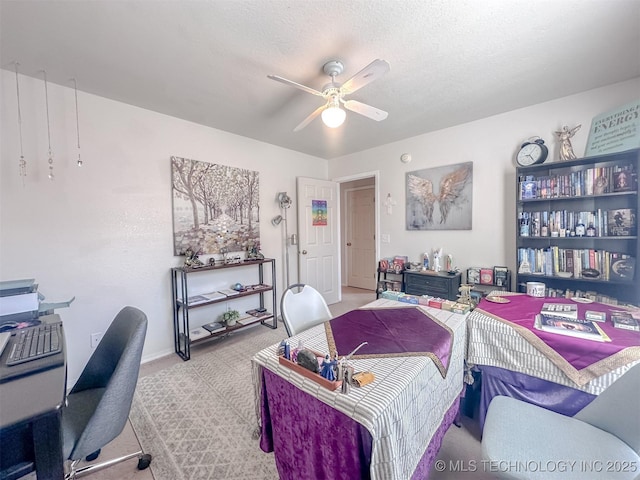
(366,110)
(307,120)
(294,84)
(368,74)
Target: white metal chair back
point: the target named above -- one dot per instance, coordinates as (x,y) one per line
(304,309)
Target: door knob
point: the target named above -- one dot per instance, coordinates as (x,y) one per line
(348,244)
(304,252)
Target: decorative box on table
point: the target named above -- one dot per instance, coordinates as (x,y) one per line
(316,377)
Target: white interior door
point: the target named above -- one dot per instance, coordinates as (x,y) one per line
(360,239)
(318,233)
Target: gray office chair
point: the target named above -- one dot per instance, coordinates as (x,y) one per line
(98,405)
(601,438)
(304,309)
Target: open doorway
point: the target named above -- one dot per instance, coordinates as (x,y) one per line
(359,220)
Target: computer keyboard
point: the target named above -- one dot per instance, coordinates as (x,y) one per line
(36,342)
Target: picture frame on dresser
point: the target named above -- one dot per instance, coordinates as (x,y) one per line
(486,276)
(473,275)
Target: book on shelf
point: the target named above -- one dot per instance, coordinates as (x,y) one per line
(229,292)
(214,295)
(625,321)
(248,319)
(624,180)
(214,327)
(258,286)
(622,267)
(566,310)
(528,190)
(621,222)
(570,327)
(196,333)
(197,299)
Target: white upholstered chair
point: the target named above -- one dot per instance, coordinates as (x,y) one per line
(603,439)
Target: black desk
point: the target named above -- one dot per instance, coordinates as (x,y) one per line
(30,404)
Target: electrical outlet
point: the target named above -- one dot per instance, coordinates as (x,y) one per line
(95,339)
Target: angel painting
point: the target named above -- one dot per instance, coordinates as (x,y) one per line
(440,198)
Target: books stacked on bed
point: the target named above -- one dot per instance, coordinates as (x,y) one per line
(570,327)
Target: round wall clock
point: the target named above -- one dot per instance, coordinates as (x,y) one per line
(532,153)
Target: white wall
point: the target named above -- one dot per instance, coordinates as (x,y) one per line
(491,144)
(103,232)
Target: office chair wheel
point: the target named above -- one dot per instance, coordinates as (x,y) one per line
(92,456)
(144,461)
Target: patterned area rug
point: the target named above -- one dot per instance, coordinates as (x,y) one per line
(197,418)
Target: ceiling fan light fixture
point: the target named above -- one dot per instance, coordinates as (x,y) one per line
(333,116)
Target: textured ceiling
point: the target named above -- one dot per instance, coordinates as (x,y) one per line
(452,61)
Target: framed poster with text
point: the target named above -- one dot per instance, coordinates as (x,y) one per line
(615,131)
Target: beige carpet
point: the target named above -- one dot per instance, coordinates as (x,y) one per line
(197,418)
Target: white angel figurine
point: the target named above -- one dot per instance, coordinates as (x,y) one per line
(437,257)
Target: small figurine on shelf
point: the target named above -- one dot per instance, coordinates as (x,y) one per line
(437,257)
(191,259)
(449,263)
(465,294)
(565,135)
(328,366)
(253,252)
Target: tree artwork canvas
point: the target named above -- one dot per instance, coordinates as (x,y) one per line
(440,198)
(215,207)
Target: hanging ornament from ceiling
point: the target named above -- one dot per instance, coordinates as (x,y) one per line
(22,164)
(75,90)
(46,97)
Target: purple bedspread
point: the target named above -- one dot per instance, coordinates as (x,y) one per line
(390,332)
(312,440)
(522,309)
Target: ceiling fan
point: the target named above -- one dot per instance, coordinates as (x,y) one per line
(332,115)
